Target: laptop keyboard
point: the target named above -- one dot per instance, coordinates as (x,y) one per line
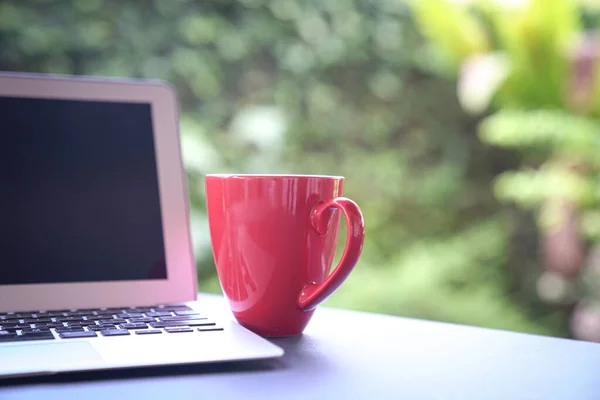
(105,322)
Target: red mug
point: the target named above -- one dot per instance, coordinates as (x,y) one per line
(274,239)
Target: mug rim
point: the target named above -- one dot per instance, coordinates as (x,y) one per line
(273,176)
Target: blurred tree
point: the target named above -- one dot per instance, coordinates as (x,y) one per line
(539,75)
(329,87)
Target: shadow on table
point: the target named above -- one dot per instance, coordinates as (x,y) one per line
(294,354)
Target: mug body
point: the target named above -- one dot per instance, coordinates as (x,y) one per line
(264,246)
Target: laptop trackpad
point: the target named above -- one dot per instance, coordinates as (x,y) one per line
(46,357)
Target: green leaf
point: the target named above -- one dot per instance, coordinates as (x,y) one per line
(555,130)
(451,29)
(536,39)
(529,188)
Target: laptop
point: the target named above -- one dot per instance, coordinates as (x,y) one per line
(96,261)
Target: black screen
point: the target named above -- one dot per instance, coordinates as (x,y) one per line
(79,198)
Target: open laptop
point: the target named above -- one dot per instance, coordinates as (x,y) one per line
(96,264)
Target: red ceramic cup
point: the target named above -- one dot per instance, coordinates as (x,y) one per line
(274,239)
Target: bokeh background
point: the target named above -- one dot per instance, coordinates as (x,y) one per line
(467,131)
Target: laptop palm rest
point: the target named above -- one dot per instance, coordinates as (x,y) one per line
(26,359)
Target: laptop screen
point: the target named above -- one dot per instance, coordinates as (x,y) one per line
(79,197)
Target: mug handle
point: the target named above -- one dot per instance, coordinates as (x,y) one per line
(314,293)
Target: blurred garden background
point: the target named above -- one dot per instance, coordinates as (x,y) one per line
(468,132)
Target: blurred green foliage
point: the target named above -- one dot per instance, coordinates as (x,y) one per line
(538,75)
(342,87)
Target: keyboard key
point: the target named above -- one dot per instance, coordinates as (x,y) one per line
(143,319)
(111,310)
(26,337)
(36,320)
(81,323)
(138,325)
(49,325)
(15,326)
(132,315)
(179,329)
(75,335)
(101,327)
(182,318)
(75,314)
(54,315)
(137,310)
(10,321)
(175,307)
(188,312)
(6,333)
(97,317)
(25,314)
(13,330)
(15,338)
(35,330)
(140,309)
(69,329)
(158,314)
(114,332)
(210,329)
(180,323)
(112,321)
(68,319)
(148,332)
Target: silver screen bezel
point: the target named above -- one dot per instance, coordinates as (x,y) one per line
(181,284)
